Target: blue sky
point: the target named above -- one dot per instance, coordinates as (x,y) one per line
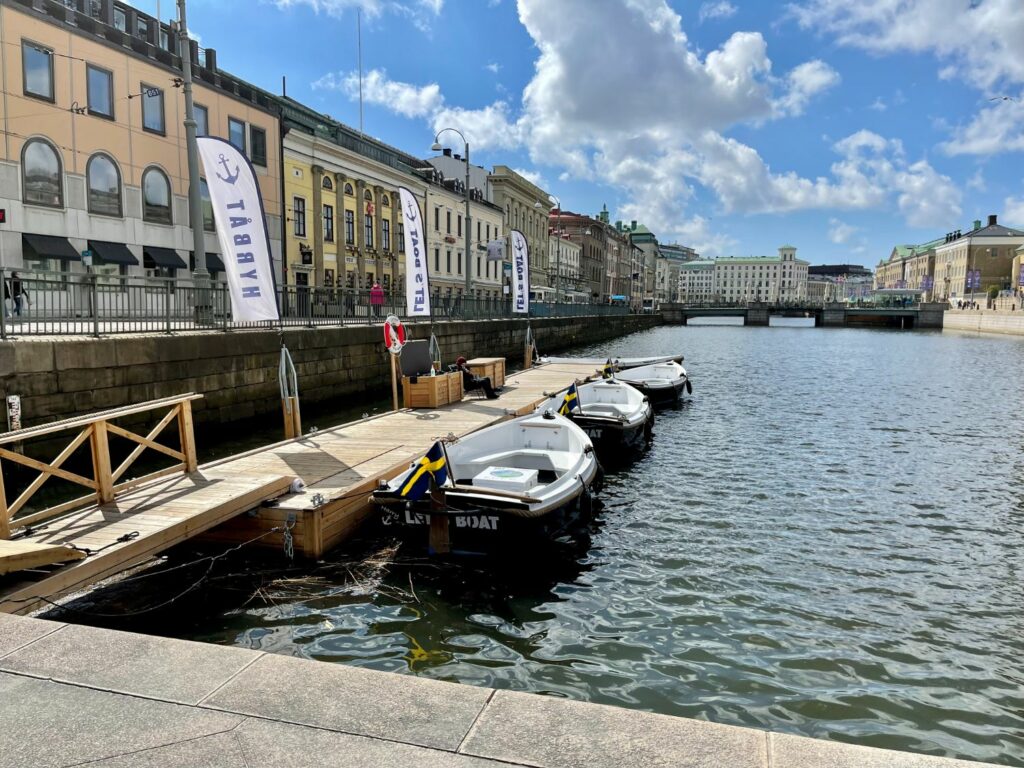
(730,125)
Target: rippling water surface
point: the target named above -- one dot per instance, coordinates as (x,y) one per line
(827,540)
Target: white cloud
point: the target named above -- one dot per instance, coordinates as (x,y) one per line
(405,99)
(804,83)
(839,232)
(418,10)
(878,105)
(999,127)
(663,141)
(977,181)
(716,9)
(534,177)
(493,67)
(1013,211)
(978,41)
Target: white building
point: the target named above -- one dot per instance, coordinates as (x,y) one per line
(666,279)
(697,281)
(762,278)
(564,256)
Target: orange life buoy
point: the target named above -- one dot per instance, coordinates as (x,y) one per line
(394,334)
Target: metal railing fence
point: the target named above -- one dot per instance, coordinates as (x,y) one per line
(64,304)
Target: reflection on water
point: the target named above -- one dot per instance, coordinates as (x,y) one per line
(828,540)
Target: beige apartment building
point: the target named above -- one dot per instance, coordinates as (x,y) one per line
(526,207)
(93,153)
(990,250)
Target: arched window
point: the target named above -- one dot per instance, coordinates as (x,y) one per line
(104,182)
(385,201)
(41,174)
(328,184)
(156,196)
(348,189)
(367,196)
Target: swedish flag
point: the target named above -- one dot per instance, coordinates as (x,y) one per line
(570,401)
(434,464)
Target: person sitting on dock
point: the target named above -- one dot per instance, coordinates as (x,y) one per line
(471,381)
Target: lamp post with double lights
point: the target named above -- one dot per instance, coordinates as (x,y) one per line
(437,148)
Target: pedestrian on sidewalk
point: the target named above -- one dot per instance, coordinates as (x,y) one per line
(17,293)
(376,298)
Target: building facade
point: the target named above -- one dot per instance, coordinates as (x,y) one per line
(668,263)
(645,259)
(564,258)
(781,278)
(988,249)
(525,207)
(697,281)
(93,157)
(589,235)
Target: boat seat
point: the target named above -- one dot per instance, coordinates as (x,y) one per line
(530,458)
(601,409)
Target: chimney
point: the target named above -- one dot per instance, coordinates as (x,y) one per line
(977,223)
(447,151)
(992,220)
(211,60)
(457,157)
(632,225)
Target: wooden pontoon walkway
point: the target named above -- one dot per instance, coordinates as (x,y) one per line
(338,466)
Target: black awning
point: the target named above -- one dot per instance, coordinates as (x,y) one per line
(214,263)
(164,257)
(113,253)
(50,247)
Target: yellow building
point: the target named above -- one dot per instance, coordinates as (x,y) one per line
(989,250)
(93,152)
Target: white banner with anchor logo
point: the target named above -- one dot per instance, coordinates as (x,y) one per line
(241,230)
(520,273)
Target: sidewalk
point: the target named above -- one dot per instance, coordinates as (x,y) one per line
(71,695)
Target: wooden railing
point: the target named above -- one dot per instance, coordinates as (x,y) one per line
(96,429)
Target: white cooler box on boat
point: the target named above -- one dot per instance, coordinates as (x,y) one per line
(510,479)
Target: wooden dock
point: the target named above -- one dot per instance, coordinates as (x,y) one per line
(119,526)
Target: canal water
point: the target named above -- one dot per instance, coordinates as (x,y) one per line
(827,540)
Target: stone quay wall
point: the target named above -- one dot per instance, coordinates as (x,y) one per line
(985,321)
(237,372)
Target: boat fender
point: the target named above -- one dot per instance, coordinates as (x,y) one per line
(297,485)
(689,387)
(586,501)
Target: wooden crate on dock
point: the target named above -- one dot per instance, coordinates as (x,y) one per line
(494,367)
(431,391)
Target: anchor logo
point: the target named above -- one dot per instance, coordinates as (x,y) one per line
(231,178)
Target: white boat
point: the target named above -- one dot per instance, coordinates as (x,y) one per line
(523,478)
(614,414)
(662,382)
(622,363)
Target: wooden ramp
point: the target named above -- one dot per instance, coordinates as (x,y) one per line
(24,554)
(135,526)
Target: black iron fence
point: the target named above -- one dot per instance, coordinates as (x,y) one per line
(58,303)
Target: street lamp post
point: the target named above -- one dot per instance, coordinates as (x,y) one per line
(437,148)
(201,276)
(558,249)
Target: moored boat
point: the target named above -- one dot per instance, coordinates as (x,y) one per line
(663,383)
(505,485)
(622,363)
(614,414)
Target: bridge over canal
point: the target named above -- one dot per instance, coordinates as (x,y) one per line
(920,315)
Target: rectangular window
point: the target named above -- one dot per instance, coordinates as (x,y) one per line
(459,257)
(448,258)
(401,238)
(155,270)
(328,224)
(488,233)
(437,219)
(153,109)
(258,144)
(460,225)
(236,133)
(143,28)
(437,260)
(385,234)
(299,216)
(478,266)
(478,231)
(350,228)
(120,19)
(100,87)
(202,115)
(448,215)
(37,70)
(368,230)
(165,40)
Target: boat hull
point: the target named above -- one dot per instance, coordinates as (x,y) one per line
(483,529)
(661,394)
(622,363)
(611,437)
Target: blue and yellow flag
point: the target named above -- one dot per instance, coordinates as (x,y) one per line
(433,465)
(570,402)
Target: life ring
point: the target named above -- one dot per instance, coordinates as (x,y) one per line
(394,334)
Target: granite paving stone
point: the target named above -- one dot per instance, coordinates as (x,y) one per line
(222,750)
(174,670)
(397,707)
(53,724)
(18,631)
(558,733)
(799,752)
